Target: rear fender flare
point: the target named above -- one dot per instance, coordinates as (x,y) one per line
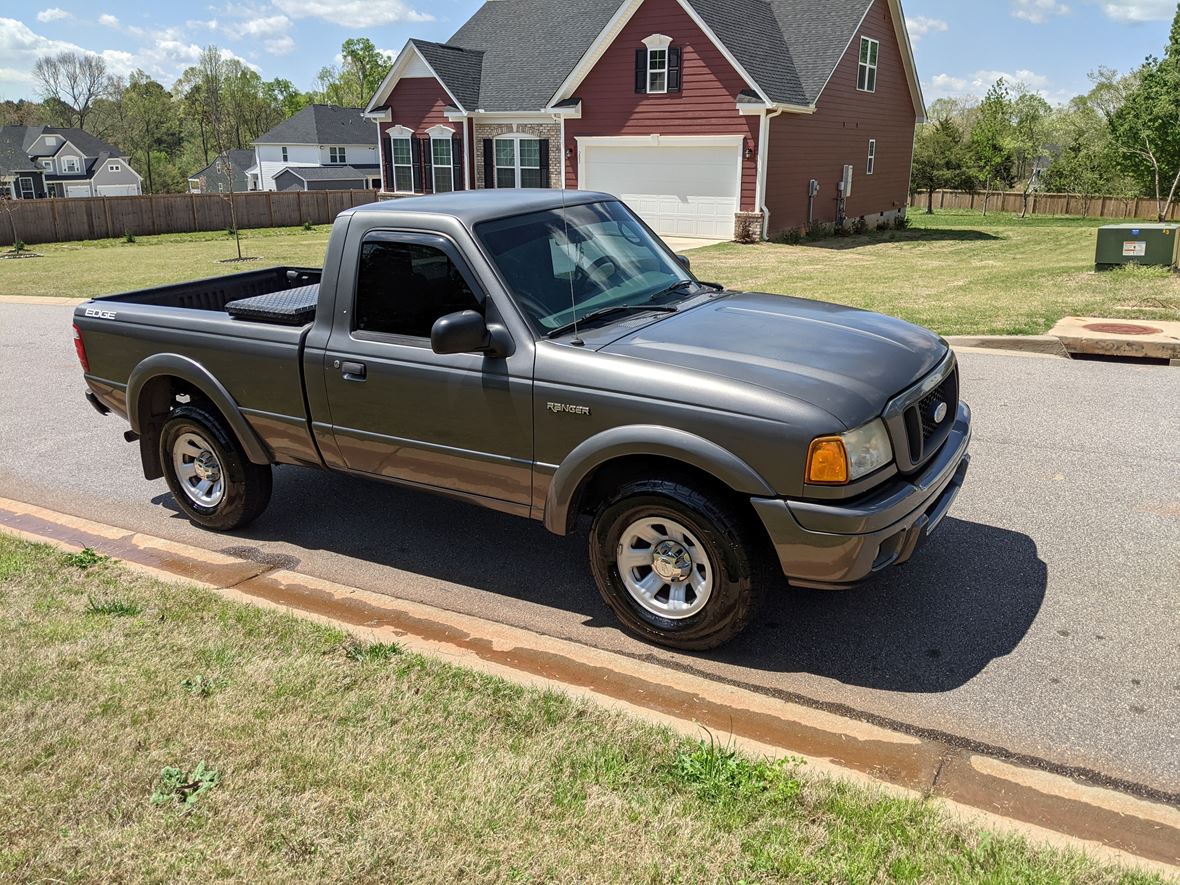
(644,439)
(177,366)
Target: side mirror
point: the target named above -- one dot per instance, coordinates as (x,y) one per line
(685,261)
(462,332)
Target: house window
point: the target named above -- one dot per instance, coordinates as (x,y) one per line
(444,171)
(518,162)
(337,155)
(402,288)
(284,150)
(26,188)
(866,76)
(657,70)
(47,164)
(69,165)
(403,165)
(113,167)
(872,156)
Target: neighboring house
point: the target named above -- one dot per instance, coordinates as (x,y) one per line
(225,174)
(40,161)
(705,116)
(321,147)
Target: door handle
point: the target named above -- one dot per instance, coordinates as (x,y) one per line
(353,371)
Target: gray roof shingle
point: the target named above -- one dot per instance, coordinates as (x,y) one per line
(518,52)
(332,173)
(17,142)
(322,124)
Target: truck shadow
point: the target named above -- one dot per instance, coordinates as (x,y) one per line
(932,625)
(912,235)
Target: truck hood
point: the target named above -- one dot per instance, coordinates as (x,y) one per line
(845,361)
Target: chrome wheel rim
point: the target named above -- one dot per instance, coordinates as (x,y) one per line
(198,469)
(665,568)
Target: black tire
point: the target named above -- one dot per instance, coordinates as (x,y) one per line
(726,538)
(247,486)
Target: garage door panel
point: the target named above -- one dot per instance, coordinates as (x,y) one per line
(687,191)
(117,190)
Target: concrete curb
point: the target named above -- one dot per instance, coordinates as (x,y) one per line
(1043,345)
(981,790)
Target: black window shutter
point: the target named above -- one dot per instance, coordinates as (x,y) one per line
(457,163)
(545,163)
(674,69)
(489,163)
(415,166)
(427,165)
(387,164)
(641,70)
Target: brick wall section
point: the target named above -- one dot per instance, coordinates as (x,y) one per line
(706,104)
(551,131)
(819,146)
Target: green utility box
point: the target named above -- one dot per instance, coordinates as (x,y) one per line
(1147,244)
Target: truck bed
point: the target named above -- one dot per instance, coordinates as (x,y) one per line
(214,293)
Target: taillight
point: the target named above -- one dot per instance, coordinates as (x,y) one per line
(80,349)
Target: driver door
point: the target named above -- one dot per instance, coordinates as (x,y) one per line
(461,422)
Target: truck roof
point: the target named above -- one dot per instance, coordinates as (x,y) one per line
(472,207)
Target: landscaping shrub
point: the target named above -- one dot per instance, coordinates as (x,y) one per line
(307,225)
(128,237)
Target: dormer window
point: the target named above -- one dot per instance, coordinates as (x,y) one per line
(866,75)
(657,66)
(69,165)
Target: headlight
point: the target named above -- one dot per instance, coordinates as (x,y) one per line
(839,460)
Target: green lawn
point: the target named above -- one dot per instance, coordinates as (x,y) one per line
(955,272)
(157,733)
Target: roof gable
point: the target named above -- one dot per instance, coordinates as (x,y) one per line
(322,124)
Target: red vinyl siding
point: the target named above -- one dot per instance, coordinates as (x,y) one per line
(416,103)
(820,145)
(706,104)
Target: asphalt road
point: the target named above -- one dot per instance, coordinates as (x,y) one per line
(1043,618)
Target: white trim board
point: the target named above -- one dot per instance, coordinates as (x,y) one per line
(403,61)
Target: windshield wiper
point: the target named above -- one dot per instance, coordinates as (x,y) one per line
(671,290)
(604,312)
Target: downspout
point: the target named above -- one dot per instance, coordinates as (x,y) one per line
(763,160)
(561,151)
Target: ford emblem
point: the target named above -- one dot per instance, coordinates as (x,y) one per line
(940,413)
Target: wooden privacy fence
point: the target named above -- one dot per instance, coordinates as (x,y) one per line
(1047,204)
(93,218)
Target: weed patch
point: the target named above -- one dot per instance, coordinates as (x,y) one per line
(182,787)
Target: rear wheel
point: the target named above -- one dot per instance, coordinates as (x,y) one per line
(675,564)
(210,476)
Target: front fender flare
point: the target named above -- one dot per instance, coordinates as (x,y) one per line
(644,439)
(176,366)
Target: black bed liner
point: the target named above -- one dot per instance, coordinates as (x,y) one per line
(290,307)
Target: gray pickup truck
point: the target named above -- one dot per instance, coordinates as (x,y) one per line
(543,353)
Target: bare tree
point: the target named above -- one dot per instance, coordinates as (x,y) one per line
(8,206)
(74,80)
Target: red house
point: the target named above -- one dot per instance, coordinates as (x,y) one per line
(705,116)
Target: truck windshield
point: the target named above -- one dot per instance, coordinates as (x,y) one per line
(595,256)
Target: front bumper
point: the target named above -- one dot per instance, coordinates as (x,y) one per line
(833,546)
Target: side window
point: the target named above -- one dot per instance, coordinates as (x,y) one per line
(402,288)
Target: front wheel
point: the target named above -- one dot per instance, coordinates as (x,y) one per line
(675,564)
(210,476)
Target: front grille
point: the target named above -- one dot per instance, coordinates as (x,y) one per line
(926,434)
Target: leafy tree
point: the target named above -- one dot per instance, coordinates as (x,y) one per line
(1147,126)
(361,71)
(991,140)
(1087,162)
(941,161)
(153,126)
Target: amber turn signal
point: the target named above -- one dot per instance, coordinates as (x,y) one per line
(827,462)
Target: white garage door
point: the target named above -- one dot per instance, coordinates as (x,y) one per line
(117,190)
(78,190)
(679,190)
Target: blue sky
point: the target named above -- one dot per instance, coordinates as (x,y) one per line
(961,46)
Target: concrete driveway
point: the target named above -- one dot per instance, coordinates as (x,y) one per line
(687,244)
(1042,619)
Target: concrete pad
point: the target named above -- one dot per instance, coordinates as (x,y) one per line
(1134,339)
(687,244)
(1047,345)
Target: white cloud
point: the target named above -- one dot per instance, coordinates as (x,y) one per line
(249,24)
(52,14)
(279,45)
(1038,11)
(1140,10)
(108,20)
(977,85)
(354,13)
(922,25)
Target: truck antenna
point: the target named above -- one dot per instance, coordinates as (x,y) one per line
(577,341)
